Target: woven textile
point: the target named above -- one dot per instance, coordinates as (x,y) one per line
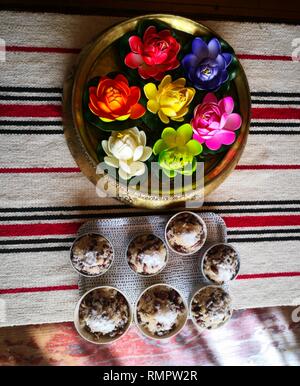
(45,198)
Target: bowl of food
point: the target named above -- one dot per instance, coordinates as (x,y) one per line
(221,263)
(165,90)
(91,254)
(147,254)
(160,312)
(102,315)
(210,308)
(185,233)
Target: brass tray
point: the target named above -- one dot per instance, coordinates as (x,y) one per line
(97,59)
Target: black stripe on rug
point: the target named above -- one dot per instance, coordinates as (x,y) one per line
(274,102)
(274,93)
(275,124)
(32,132)
(30,98)
(30,123)
(230,240)
(55,132)
(31,89)
(102,215)
(274,132)
(262,231)
(123,206)
(31,250)
(263,239)
(38,241)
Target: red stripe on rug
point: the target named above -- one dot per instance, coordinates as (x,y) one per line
(63,50)
(70,228)
(268,275)
(43,111)
(275,113)
(19,110)
(265,57)
(267,167)
(261,221)
(38,289)
(12,230)
(47,50)
(39,170)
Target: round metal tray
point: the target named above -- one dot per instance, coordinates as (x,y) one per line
(98,59)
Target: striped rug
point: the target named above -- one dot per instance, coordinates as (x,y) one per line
(45,198)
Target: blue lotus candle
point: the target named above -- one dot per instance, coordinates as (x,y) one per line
(207,66)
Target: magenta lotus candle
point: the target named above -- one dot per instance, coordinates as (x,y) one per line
(214,123)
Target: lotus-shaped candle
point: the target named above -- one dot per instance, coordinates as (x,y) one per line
(207,65)
(114,99)
(170,100)
(214,122)
(153,55)
(126,150)
(176,151)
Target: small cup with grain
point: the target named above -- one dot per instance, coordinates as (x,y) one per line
(160,312)
(185,233)
(221,263)
(210,308)
(103,315)
(147,254)
(91,255)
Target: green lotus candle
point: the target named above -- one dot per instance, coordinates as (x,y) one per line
(177,151)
